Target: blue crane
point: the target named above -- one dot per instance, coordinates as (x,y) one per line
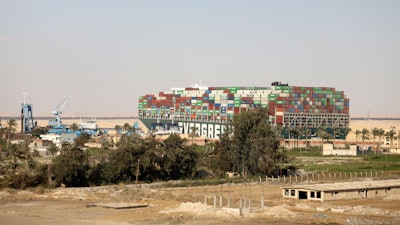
(57,112)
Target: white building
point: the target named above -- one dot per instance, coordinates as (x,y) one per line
(57,139)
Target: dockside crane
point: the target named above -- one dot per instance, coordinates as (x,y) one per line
(27,123)
(57,112)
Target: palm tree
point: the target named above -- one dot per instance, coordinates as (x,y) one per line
(278,129)
(336,131)
(375,132)
(11,128)
(193,132)
(291,132)
(364,136)
(307,133)
(117,129)
(74,127)
(126,127)
(391,135)
(381,132)
(65,146)
(105,147)
(296,133)
(321,133)
(2,131)
(14,153)
(347,130)
(357,132)
(53,149)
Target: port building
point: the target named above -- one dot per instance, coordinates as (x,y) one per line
(345,190)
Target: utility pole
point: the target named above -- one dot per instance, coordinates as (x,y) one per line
(137,171)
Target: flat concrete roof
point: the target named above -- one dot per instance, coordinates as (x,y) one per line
(119,205)
(356,185)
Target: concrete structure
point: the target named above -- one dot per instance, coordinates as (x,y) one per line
(57,139)
(41,146)
(328,150)
(346,190)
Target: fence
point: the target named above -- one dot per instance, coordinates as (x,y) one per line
(250,197)
(327,177)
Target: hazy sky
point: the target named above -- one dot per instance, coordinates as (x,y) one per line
(105,54)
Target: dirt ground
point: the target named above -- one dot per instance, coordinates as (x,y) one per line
(175,206)
(67,206)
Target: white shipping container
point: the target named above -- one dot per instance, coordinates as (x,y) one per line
(217,92)
(275,91)
(284,95)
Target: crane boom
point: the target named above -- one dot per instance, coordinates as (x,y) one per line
(57,112)
(60,107)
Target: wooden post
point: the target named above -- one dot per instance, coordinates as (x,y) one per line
(137,171)
(240,207)
(262,202)
(249,205)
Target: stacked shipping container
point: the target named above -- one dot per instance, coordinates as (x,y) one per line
(221,103)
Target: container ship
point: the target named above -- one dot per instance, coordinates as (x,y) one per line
(207,110)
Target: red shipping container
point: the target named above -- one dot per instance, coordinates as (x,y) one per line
(279,119)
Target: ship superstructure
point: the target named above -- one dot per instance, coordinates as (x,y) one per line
(209,109)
